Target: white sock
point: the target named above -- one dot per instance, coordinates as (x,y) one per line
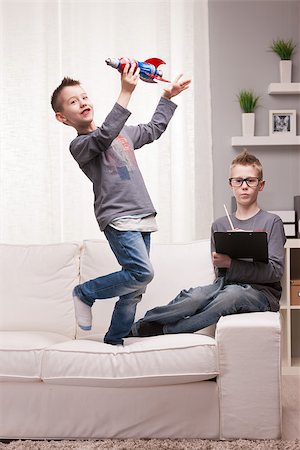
(83,314)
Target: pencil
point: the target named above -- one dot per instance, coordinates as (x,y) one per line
(228,217)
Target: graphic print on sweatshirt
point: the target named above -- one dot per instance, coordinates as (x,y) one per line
(121,158)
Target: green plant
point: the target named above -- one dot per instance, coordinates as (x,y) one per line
(248,100)
(283,48)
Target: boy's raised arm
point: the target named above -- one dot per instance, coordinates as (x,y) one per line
(129,80)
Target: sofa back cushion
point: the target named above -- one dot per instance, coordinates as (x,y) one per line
(36,283)
(176,267)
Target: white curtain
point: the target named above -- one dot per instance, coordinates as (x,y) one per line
(44,196)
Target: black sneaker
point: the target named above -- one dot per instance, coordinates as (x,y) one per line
(121,342)
(146,329)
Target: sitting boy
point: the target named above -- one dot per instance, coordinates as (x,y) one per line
(240,286)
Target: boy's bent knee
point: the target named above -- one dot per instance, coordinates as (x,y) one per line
(144,276)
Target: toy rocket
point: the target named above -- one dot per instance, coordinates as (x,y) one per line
(149,71)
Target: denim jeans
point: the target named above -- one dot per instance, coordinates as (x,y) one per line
(197,308)
(131,249)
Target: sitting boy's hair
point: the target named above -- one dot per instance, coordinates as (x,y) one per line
(246,159)
(55,103)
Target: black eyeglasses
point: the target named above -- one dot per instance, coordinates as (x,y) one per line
(250,181)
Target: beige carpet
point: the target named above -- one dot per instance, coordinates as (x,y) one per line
(152,444)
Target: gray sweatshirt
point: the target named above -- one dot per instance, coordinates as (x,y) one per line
(107,158)
(261,276)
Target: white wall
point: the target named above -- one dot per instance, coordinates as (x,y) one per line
(241,32)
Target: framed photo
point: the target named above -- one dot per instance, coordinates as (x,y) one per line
(282,122)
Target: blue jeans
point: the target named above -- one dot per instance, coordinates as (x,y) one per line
(131,249)
(197,308)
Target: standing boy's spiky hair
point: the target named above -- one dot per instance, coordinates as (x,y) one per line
(55,103)
(246,159)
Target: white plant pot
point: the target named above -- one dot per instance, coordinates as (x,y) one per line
(285,71)
(248,123)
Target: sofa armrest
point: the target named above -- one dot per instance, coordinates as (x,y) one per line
(250,375)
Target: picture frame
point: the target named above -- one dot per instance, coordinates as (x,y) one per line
(282,122)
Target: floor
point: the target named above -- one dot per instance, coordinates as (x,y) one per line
(291,407)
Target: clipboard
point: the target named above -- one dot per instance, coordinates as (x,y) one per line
(251,245)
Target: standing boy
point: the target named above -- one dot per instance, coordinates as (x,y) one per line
(123,207)
(240,286)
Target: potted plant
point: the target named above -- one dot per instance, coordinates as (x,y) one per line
(284,49)
(248,101)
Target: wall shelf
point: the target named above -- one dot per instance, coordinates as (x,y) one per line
(284,88)
(252,141)
(290,313)
(246,141)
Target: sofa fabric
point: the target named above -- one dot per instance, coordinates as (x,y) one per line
(36,283)
(154,361)
(42,410)
(59,382)
(22,353)
(244,347)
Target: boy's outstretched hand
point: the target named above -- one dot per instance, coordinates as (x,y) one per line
(177,86)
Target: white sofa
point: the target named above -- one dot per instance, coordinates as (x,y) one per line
(58,382)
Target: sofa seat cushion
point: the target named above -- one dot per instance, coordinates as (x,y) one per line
(21,353)
(153,361)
